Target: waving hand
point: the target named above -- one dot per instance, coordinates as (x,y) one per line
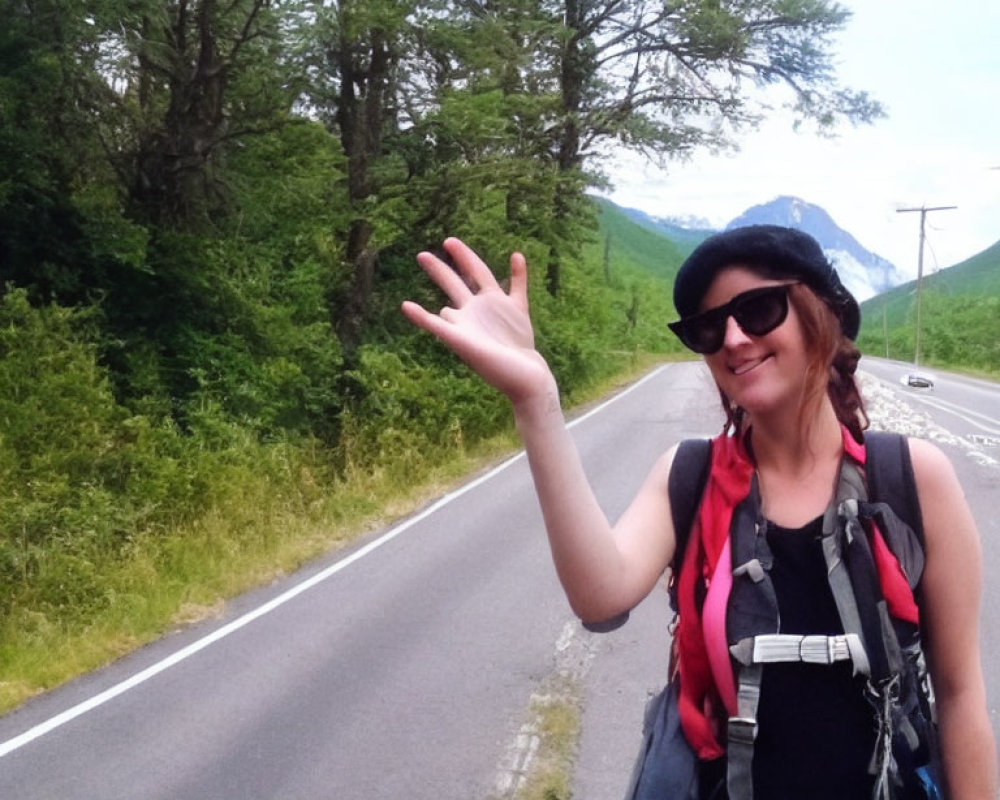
(488,328)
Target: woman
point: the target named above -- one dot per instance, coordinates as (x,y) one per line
(774,325)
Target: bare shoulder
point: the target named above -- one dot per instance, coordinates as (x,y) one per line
(934,474)
(949,527)
(952,580)
(659,479)
(645,533)
(653,497)
(929,461)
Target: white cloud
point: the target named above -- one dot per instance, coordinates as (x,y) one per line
(937,73)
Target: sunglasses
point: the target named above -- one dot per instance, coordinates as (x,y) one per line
(757,312)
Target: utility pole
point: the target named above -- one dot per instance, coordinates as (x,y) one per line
(924,210)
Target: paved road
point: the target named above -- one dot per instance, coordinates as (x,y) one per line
(406,672)
(405,667)
(966,407)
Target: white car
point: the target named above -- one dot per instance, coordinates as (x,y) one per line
(918,379)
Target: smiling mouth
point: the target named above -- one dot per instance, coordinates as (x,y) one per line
(747,366)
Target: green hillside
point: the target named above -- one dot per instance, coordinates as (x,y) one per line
(684,239)
(631,245)
(978,276)
(960,306)
(635,268)
(960,314)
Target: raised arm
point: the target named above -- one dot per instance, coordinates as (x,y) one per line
(603,570)
(952,592)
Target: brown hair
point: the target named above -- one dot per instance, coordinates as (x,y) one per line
(833,360)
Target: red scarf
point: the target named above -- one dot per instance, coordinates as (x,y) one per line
(727,486)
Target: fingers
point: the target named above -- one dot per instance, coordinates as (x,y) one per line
(473,274)
(469,263)
(423,318)
(519,280)
(450,282)
(420,316)
(437,325)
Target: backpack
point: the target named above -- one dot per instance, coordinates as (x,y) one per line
(889,474)
(906,766)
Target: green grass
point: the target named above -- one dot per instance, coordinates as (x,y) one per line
(259,528)
(119,526)
(248,538)
(557,721)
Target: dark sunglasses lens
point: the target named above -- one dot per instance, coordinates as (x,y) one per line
(705,333)
(757,312)
(762,311)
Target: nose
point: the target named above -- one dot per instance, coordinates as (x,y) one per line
(735,335)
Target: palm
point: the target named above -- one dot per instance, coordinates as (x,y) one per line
(486,327)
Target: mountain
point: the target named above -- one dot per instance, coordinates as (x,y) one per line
(976,277)
(685,232)
(863,272)
(960,308)
(959,315)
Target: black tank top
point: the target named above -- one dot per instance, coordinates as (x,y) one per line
(816,730)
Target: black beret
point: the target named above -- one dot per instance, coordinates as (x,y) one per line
(780,252)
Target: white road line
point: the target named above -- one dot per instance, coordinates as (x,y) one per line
(961,412)
(575,653)
(141,677)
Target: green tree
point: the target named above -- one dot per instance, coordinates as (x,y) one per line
(441,122)
(62,231)
(353,52)
(190,78)
(667,78)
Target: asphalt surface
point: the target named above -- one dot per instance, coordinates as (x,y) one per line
(405,666)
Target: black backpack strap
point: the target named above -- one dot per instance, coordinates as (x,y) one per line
(890,477)
(889,472)
(891,482)
(686,483)
(685,486)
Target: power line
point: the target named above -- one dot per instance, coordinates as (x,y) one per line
(924,211)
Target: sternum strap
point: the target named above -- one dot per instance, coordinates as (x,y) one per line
(774,648)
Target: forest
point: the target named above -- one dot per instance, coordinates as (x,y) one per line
(960,310)
(209,211)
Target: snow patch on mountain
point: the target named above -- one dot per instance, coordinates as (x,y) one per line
(853,274)
(863,272)
(689,222)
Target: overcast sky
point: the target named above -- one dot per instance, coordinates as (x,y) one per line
(936,68)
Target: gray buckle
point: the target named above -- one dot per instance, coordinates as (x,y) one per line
(742,730)
(753,568)
(822,649)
